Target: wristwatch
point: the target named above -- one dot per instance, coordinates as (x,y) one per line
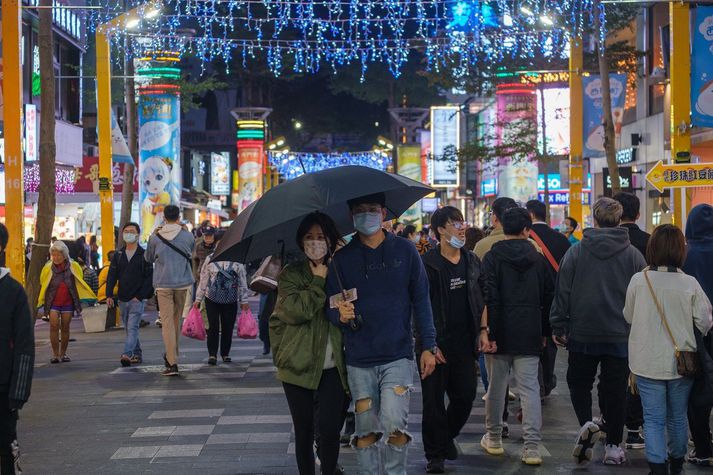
(485,329)
(433,350)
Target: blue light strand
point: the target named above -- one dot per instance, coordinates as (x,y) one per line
(292,165)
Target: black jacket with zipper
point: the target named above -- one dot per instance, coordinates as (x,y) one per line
(439,289)
(17,342)
(518,292)
(135,276)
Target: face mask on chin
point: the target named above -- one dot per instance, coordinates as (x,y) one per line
(456,242)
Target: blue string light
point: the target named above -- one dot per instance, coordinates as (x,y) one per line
(307,35)
(292,165)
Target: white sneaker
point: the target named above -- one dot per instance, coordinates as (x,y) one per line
(614,455)
(587,438)
(531,456)
(491,445)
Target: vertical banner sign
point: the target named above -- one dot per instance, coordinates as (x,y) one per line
(592,102)
(409,165)
(250,157)
(159,158)
(220,174)
(235,191)
(119,148)
(426,169)
(445,134)
(517,176)
(702,68)
(30,132)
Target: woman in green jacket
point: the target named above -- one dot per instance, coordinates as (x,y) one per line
(307,349)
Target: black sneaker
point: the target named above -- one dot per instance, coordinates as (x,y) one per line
(435,465)
(165,361)
(171,371)
(452,451)
(634,440)
(506,431)
(125,361)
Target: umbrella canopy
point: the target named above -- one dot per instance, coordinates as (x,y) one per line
(269,225)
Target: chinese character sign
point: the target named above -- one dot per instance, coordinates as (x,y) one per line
(409,165)
(702,68)
(250,160)
(220,173)
(593,121)
(445,134)
(159,158)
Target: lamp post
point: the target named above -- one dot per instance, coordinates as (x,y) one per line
(128,19)
(576,132)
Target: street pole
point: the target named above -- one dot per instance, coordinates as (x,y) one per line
(576,132)
(12,92)
(680,101)
(106,189)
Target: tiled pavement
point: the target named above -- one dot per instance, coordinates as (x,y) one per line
(92,417)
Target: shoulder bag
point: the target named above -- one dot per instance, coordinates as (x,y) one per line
(688,363)
(170,244)
(548,255)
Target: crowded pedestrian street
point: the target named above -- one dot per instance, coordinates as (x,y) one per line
(95,417)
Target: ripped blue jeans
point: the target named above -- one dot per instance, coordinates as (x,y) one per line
(381,397)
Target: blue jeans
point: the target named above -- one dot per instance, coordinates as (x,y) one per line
(665,404)
(131,313)
(483,371)
(382,396)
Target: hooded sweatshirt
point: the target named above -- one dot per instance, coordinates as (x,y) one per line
(518,294)
(17,341)
(591,287)
(172,270)
(699,235)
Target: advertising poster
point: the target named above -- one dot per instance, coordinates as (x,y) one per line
(516,109)
(250,157)
(445,134)
(119,148)
(220,174)
(702,68)
(409,165)
(86,179)
(426,169)
(556,119)
(159,158)
(593,127)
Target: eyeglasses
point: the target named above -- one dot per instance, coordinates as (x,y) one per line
(459,225)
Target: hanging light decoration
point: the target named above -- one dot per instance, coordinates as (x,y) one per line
(303,36)
(291,165)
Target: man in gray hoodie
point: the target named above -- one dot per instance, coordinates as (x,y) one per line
(169,250)
(587,317)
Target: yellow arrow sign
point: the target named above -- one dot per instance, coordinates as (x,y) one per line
(680,176)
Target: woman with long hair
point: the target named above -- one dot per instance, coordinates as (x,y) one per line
(663,305)
(307,348)
(62,292)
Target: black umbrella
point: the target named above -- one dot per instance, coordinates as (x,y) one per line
(269,225)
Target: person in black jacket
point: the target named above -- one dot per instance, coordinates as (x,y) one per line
(518,292)
(455,282)
(554,246)
(17,359)
(631,205)
(134,275)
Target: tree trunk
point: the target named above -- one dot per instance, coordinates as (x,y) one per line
(47,199)
(127,192)
(545,156)
(607,116)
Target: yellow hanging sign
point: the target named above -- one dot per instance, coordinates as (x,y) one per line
(680,176)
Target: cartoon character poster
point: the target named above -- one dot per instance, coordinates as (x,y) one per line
(250,162)
(702,68)
(409,165)
(159,158)
(593,127)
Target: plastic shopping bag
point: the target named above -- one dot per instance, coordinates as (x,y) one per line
(247,326)
(193,325)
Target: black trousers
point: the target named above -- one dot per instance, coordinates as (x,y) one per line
(331,399)
(699,425)
(221,322)
(458,380)
(547,363)
(634,410)
(8,434)
(613,380)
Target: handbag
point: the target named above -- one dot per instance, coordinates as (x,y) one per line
(247,326)
(265,279)
(688,363)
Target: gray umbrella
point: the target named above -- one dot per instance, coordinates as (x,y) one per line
(269,225)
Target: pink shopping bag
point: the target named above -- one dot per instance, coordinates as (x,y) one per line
(247,326)
(193,326)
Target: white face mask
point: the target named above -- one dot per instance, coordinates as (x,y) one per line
(416,238)
(130,237)
(315,250)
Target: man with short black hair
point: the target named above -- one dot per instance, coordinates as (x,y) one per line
(630,214)
(387,275)
(518,293)
(587,316)
(17,358)
(456,280)
(500,205)
(169,250)
(134,275)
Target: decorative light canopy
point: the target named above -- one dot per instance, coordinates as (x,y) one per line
(291,165)
(64,179)
(304,35)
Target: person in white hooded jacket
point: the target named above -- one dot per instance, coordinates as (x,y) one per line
(223,285)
